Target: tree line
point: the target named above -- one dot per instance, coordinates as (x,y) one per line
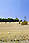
(9,20)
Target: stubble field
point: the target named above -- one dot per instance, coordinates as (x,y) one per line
(12,31)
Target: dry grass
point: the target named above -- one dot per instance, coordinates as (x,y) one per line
(14,30)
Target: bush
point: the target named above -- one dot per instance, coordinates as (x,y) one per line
(24,23)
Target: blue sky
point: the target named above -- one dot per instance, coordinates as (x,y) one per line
(14,8)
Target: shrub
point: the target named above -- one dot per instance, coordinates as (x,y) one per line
(24,23)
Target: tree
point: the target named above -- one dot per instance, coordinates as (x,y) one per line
(9,18)
(0,19)
(16,20)
(3,20)
(20,20)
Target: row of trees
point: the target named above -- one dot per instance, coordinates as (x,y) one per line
(9,20)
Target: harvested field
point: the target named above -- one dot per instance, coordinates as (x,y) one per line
(13,27)
(12,31)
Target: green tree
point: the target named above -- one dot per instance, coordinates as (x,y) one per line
(16,19)
(20,20)
(3,19)
(8,18)
(0,18)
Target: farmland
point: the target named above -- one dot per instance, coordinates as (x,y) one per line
(14,30)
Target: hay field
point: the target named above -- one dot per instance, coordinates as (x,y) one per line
(14,30)
(13,27)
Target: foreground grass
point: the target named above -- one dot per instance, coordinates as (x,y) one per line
(12,36)
(16,32)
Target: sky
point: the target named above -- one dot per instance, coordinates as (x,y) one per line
(14,8)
